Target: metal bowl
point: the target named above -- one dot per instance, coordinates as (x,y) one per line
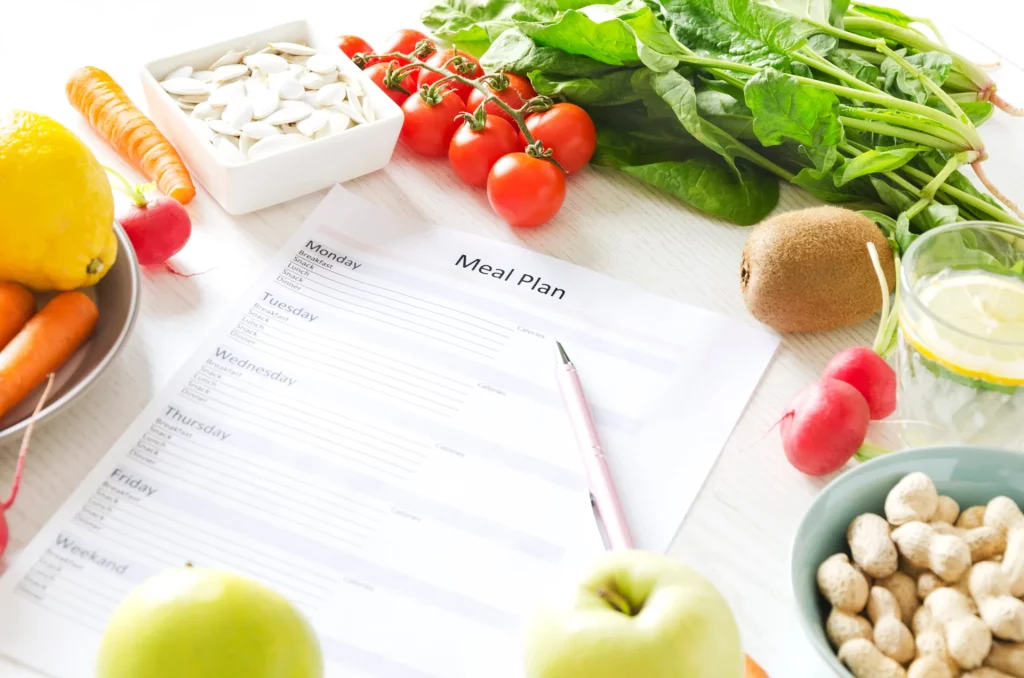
(117,297)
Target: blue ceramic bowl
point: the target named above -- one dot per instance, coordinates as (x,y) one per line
(968,474)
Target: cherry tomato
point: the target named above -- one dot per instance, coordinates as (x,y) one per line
(438,59)
(473,153)
(525,191)
(519,90)
(377,73)
(568,131)
(352,45)
(429,128)
(404,41)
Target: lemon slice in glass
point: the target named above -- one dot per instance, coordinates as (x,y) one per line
(976,325)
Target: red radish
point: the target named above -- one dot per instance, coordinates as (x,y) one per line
(157,226)
(867,372)
(824,426)
(20,467)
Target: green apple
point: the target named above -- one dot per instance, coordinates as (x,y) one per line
(207,623)
(638,615)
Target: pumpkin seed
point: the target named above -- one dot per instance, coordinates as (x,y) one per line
(276,144)
(293,48)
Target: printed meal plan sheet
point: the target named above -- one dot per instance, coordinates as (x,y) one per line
(376,432)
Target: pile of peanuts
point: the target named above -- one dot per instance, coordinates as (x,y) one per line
(931,592)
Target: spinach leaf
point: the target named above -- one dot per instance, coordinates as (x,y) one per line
(892,196)
(935,66)
(903,236)
(821,186)
(934,162)
(745,31)
(702,180)
(855,65)
(671,93)
(872,162)
(784,108)
(823,11)
(978,111)
(727,113)
(481,21)
(887,14)
(516,52)
(607,89)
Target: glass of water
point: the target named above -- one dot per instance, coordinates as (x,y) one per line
(961,340)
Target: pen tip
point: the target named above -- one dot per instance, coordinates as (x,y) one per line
(562,355)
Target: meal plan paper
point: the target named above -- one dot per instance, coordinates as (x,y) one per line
(376,432)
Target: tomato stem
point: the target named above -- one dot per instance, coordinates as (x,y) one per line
(432,95)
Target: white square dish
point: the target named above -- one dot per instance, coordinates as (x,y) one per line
(245,187)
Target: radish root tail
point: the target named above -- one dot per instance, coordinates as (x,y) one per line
(1005,106)
(16,483)
(995,191)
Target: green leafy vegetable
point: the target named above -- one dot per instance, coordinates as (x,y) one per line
(608,89)
(901,83)
(856,65)
(738,90)
(744,196)
(786,108)
(875,161)
(747,32)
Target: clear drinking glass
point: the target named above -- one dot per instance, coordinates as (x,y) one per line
(961,339)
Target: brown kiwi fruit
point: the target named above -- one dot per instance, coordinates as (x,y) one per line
(810,271)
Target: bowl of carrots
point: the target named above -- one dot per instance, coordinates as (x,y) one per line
(74,335)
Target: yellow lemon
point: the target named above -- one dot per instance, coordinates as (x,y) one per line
(981,332)
(56,207)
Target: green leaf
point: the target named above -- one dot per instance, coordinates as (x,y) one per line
(666,93)
(873,162)
(978,111)
(903,236)
(935,66)
(482,21)
(822,11)
(727,113)
(702,180)
(935,215)
(607,89)
(821,186)
(598,32)
(745,31)
(784,108)
(857,66)
(887,14)
(516,52)
(891,196)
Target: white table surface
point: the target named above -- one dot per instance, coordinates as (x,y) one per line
(739,530)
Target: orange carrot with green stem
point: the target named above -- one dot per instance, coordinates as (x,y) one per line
(112,114)
(43,345)
(16,306)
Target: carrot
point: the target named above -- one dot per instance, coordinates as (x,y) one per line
(16,306)
(112,114)
(752,670)
(43,345)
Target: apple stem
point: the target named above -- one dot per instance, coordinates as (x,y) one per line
(616,600)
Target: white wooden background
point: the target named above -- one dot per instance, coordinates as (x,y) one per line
(739,531)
